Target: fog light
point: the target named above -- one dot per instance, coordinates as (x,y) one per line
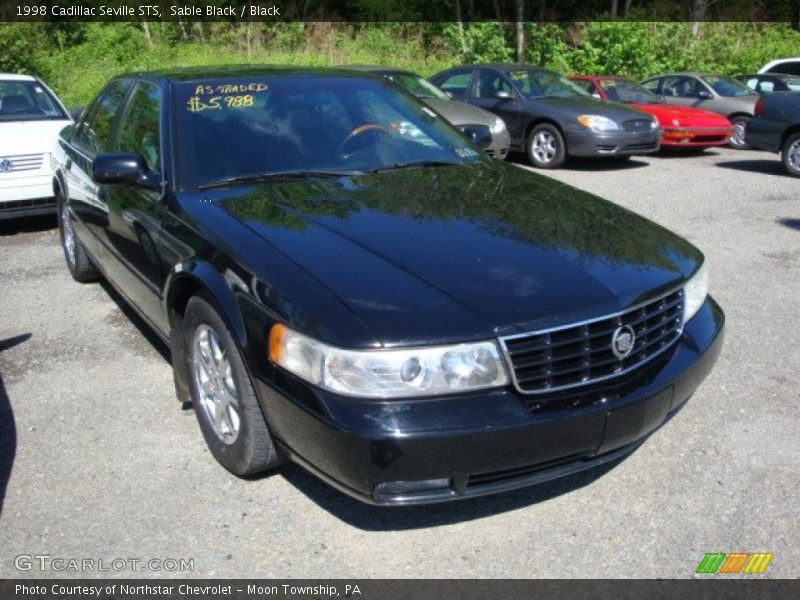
(389,489)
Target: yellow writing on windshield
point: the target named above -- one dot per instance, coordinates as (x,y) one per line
(197,104)
(229,89)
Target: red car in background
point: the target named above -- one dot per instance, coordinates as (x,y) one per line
(683,126)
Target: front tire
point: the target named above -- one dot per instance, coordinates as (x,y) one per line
(223,397)
(545,147)
(737,140)
(78,262)
(790,154)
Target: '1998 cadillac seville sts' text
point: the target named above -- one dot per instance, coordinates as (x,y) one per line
(346,282)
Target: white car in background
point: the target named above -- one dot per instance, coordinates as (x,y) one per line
(787,66)
(31,117)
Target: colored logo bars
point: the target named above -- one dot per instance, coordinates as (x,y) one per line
(744,562)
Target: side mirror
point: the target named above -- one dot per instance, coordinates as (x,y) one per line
(502,95)
(76,113)
(123,169)
(448,94)
(704,95)
(480,135)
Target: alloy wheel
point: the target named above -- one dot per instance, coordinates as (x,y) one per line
(68,233)
(215,385)
(544,147)
(793,155)
(737,139)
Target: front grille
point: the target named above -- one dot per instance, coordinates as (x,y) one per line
(576,355)
(637,125)
(14,205)
(21,162)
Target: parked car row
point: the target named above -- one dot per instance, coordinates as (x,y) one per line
(500,108)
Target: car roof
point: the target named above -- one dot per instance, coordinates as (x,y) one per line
(688,74)
(16,77)
(374,69)
(500,66)
(213,72)
(599,77)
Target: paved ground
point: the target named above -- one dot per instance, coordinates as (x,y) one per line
(104,464)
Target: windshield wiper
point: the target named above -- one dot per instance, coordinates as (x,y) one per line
(414,164)
(275,176)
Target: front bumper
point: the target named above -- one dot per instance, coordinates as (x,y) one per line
(390,452)
(26,195)
(696,137)
(501,143)
(585,142)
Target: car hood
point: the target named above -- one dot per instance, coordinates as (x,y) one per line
(587,105)
(465,252)
(459,113)
(29,137)
(685,115)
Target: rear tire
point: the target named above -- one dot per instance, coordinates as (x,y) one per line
(790,154)
(545,147)
(78,262)
(222,393)
(737,140)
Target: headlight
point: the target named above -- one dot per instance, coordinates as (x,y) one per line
(499,126)
(694,293)
(424,371)
(598,123)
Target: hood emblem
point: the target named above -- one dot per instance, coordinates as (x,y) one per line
(5,165)
(622,341)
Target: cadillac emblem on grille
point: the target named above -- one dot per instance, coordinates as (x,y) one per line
(622,341)
(5,165)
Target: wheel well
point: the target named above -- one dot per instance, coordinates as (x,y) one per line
(182,291)
(732,116)
(539,121)
(791,131)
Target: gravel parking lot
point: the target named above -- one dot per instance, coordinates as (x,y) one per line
(97,459)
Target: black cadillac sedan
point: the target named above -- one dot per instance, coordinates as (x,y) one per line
(345,282)
(549,117)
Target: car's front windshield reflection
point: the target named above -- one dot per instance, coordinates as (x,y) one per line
(257,126)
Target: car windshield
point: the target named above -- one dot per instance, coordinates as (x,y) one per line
(624,90)
(27,100)
(417,85)
(254,127)
(535,83)
(725,86)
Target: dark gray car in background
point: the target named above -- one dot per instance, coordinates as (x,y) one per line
(548,116)
(776,128)
(709,91)
(463,116)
